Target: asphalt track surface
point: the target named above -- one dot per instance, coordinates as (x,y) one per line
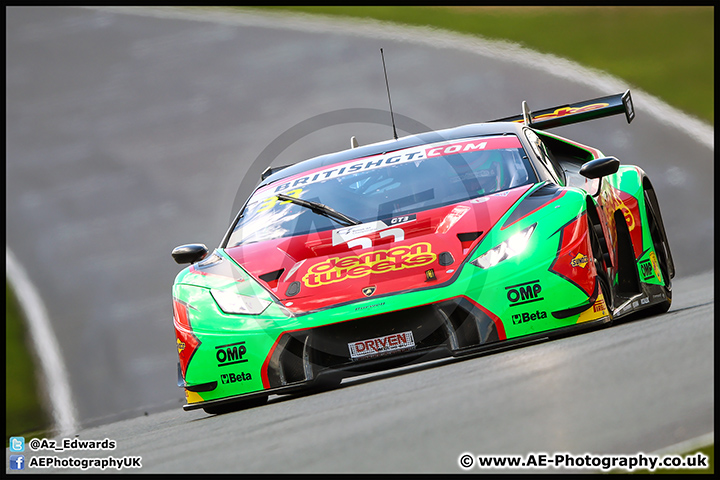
(128,135)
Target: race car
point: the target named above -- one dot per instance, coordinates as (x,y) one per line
(445,243)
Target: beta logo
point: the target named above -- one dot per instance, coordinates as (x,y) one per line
(226,378)
(524,293)
(525,317)
(230,354)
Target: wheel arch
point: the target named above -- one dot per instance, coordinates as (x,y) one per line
(649,190)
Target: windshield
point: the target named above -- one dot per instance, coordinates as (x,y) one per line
(384,186)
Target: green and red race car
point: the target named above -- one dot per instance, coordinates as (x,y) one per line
(445,243)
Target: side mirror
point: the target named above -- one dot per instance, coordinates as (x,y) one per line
(190,253)
(600,167)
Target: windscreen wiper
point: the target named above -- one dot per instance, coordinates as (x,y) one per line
(320,209)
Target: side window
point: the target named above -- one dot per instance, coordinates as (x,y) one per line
(551,165)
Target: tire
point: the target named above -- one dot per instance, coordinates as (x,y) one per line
(662,253)
(235,406)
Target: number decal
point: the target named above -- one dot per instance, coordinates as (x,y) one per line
(270,202)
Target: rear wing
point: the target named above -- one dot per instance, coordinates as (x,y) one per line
(576,112)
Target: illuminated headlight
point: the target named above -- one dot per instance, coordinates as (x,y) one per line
(240,304)
(511,247)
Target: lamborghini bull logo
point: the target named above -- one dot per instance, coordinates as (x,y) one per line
(338,269)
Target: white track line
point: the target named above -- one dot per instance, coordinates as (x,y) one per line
(41,332)
(688,446)
(437,38)
(45,346)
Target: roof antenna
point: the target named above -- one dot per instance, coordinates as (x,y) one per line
(392,118)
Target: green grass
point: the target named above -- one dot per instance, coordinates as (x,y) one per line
(665,51)
(24,412)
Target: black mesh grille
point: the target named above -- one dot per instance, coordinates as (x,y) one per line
(455,324)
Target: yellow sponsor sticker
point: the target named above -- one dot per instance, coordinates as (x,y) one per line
(580,260)
(193,397)
(339,269)
(656,268)
(598,310)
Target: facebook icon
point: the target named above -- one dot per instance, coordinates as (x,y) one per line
(17,462)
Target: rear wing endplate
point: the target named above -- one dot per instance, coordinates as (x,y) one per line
(576,112)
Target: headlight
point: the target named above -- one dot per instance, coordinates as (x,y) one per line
(507,249)
(241,304)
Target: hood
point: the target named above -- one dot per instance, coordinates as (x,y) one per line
(320,270)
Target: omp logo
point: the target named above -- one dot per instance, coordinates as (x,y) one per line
(180,345)
(226,378)
(379,261)
(525,317)
(646,270)
(524,293)
(230,354)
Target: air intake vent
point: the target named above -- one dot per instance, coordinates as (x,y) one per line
(271,278)
(468,236)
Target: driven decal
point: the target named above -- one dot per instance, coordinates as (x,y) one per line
(338,269)
(396,342)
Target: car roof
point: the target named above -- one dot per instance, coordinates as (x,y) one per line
(465,131)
